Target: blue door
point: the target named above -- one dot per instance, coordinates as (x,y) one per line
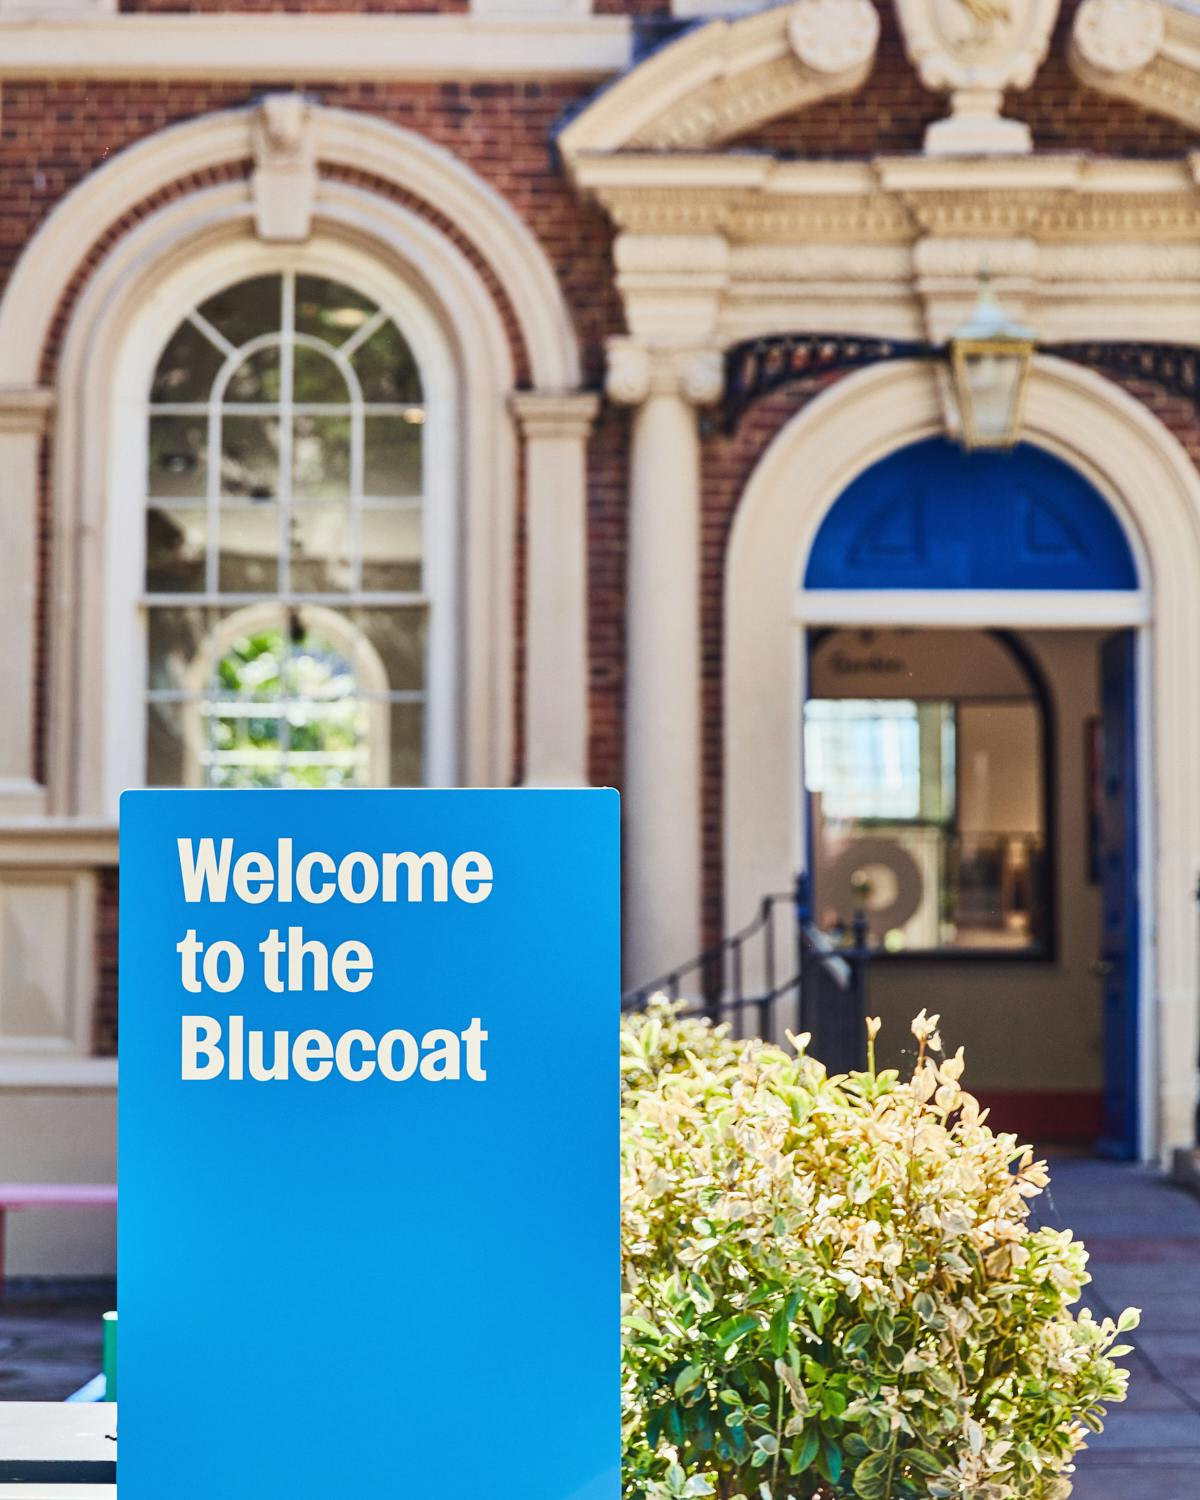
(1117,965)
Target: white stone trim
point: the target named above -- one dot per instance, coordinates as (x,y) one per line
(340,46)
(555,430)
(1155,490)
(1145,51)
(723,79)
(42,1075)
(62,914)
(340,137)
(25,414)
(1042,609)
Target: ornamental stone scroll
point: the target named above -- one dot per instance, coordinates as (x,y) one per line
(637,371)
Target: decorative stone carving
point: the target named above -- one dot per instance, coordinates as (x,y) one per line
(627,378)
(1119,36)
(284,183)
(720,80)
(976,49)
(834,36)
(635,372)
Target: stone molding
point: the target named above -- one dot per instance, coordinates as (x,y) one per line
(1144,51)
(26,409)
(717,249)
(286,47)
(555,414)
(729,77)
(340,138)
(636,372)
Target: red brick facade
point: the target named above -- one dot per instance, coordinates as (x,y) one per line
(52,134)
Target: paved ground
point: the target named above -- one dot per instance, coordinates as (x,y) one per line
(50,1341)
(1144,1239)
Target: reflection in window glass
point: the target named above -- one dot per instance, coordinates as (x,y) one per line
(929,815)
(286,623)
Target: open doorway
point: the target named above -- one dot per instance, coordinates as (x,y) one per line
(976,792)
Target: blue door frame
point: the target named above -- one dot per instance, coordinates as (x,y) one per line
(1119,959)
(932,517)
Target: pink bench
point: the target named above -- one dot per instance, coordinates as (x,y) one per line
(21,1195)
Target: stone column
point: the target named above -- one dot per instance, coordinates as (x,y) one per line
(555,429)
(661,824)
(24,415)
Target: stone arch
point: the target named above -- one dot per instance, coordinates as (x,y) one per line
(340,138)
(132,301)
(1143,472)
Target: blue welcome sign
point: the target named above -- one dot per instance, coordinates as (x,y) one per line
(368,1145)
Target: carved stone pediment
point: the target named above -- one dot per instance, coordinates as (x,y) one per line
(976,49)
(728,77)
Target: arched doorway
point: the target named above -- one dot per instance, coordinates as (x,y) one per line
(1083,567)
(976,790)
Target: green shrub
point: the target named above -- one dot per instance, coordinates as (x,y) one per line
(830,1284)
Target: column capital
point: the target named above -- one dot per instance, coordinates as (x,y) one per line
(25,408)
(636,371)
(555,414)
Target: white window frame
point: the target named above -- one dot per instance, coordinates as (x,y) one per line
(198,278)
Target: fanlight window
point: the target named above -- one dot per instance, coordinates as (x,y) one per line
(285,590)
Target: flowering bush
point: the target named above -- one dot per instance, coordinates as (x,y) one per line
(831,1287)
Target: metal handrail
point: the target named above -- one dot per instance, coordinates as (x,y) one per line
(828,981)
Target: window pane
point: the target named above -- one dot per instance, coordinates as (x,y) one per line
(250,456)
(392,461)
(864,758)
(327,744)
(256,378)
(165,744)
(315,378)
(328,310)
(246,310)
(320,548)
(176,548)
(384,364)
(177,466)
(321,457)
(243,744)
(391,549)
(251,662)
(188,366)
(318,667)
(394,641)
(407,758)
(176,639)
(248,555)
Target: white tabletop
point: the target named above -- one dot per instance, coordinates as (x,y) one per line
(59,1431)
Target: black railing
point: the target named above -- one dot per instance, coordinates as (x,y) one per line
(780,973)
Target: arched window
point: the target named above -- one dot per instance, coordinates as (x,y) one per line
(285,591)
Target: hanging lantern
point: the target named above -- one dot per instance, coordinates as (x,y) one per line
(990,357)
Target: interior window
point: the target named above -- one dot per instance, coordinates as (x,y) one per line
(286,603)
(928,812)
